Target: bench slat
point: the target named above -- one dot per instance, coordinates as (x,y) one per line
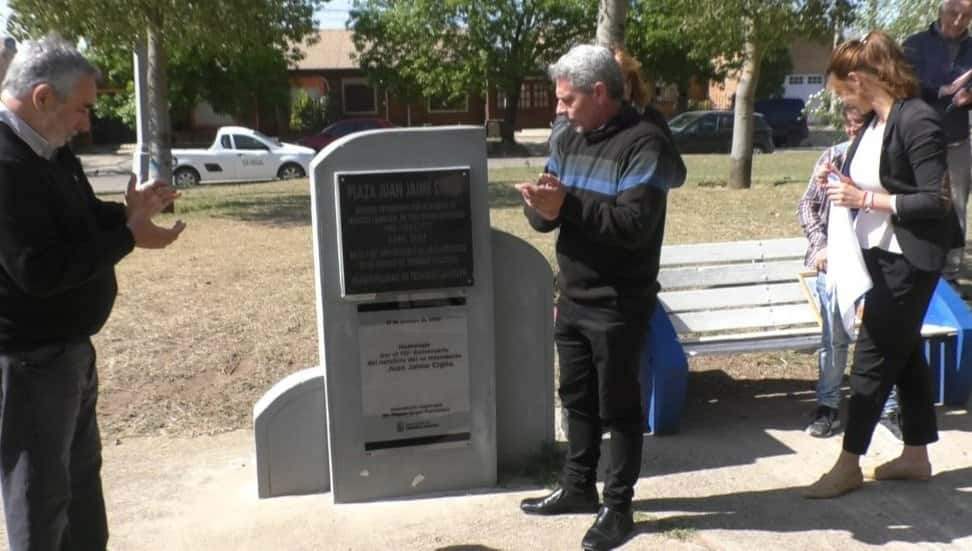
(743,318)
(735,274)
(761,343)
(713,299)
(742,296)
(737,251)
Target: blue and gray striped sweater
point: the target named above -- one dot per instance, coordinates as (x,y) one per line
(613,219)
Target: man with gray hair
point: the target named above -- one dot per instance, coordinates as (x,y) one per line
(942,59)
(59,244)
(605,188)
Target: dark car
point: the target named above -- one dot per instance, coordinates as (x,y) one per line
(785,116)
(342,128)
(711,132)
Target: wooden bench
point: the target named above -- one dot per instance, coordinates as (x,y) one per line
(742,296)
(745,296)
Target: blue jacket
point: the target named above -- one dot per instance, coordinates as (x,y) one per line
(928,53)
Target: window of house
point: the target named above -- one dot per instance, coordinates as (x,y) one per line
(526,96)
(815,79)
(443,104)
(533,95)
(360,98)
(541,95)
(796,79)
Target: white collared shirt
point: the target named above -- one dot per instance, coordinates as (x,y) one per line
(30,136)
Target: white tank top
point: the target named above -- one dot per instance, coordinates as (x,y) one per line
(874,229)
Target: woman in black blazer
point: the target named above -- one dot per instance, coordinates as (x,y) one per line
(895,176)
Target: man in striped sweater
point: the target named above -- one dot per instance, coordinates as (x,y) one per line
(605,189)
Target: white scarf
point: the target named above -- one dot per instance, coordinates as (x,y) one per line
(847,277)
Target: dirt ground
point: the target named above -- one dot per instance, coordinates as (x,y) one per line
(201,330)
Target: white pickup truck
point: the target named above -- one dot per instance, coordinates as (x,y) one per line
(240,155)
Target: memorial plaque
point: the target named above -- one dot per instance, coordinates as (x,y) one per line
(404,230)
(405,311)
(414,380)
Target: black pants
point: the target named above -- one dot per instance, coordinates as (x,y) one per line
(890,352)
(600,348)
(50,449)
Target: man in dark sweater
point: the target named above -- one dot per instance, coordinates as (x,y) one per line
(58,248)
(605,189)
(942,59)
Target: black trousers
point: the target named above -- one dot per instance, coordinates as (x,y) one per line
(889,352)
(599,347)
(50,449)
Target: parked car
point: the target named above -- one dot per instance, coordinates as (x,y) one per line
(785,116)
(240,155)
(342,128)
(711,132)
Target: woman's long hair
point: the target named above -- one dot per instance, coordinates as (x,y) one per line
(878,55)
(631,73)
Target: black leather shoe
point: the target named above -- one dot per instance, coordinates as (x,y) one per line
(610,530)
(560,502)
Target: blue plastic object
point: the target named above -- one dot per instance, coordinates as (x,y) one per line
(951,362)
(664,375)
(664,367)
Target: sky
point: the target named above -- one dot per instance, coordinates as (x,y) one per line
(331,16)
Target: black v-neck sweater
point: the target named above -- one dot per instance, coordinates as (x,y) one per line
(58,248)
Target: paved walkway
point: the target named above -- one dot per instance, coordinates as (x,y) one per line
(729,481)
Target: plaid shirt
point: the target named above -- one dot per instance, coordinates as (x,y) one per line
(814,207)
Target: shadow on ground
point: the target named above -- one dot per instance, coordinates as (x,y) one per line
(883,512)
(749,410)
(282,211)
(504,195)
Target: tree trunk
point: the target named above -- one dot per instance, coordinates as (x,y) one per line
(160,132)
(508,128)
(681,103)
(741,157)
(652,84)
(612,15)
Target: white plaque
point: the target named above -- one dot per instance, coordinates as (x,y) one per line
(415,380)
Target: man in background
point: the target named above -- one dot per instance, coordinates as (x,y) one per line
(942,59)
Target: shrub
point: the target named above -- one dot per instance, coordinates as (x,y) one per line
(306,113)
(824,109)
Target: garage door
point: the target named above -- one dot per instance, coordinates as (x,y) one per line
(801,86)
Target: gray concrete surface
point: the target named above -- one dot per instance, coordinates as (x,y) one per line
(729,481)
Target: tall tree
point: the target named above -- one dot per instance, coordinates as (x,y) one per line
(446,48)
(612,19)
(399,45)
(209,26)
(658,38)
(900,18)
(759,26)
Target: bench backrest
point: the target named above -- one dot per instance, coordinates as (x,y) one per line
(738,296)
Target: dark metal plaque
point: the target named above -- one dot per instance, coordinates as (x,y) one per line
(405,231)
